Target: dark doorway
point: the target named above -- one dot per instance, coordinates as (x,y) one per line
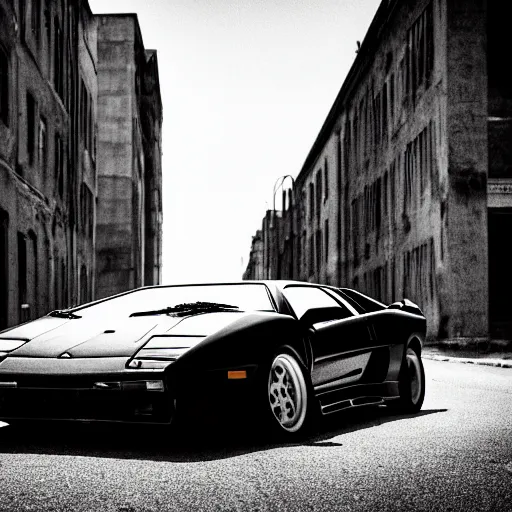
(500,273)
(4,284)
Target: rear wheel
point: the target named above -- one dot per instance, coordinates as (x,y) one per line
(411,383)
(288,395)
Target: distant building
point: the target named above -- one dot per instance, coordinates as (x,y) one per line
(407,189)
(129,217)
(51,168)
(255,268)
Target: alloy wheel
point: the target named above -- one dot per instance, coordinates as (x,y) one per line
(287,392)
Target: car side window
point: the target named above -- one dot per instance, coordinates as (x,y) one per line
(304,298)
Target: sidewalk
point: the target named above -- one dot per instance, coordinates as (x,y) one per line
(501,359)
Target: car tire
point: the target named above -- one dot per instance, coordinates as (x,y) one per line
(289,400)
(411,384)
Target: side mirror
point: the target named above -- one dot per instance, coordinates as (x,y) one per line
(316,315)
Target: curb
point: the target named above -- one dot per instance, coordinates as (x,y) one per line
(499,363)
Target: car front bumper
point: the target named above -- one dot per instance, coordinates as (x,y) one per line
(128,401)
(35,389)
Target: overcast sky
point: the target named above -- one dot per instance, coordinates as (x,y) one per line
(246,86)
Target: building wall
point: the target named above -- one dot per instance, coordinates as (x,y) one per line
(465,300)
(151,121)
(86,186)
(37,164)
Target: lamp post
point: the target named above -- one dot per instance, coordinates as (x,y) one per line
(280,184)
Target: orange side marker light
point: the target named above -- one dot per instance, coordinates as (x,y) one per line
(237,374)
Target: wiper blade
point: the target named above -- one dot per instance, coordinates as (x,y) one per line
(187,308)
(63,313)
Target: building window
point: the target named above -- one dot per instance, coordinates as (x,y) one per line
(86,210)
(355,219)
(346,150)
(419,273)
(43,144)
(63,284)
(92,142)
(86,122)
(83,285)
(35,20)
(32,275)
(4,271)
(392,113)
(326,239)
(59,165)
(48,25)
(58,59)
(311,262)
(377,204)
(311,201)
(385,111)
(420,42)
(31,127)
(22,274)
(326,180)
(419,161)
(318,250)
(4,86)
(56,285)
(318,194)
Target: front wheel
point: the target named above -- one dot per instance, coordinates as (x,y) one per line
(411,383)
(288,395)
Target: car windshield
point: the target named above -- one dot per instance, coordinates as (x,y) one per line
(239,297)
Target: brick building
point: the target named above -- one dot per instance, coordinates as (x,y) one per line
(406,190)
(49,160)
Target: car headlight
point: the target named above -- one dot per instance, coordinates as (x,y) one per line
(160,350)
(7,345)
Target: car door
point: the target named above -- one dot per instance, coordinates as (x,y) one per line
(339,336)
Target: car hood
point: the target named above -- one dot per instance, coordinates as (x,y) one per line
(81,337)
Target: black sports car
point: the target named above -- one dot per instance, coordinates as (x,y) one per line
(283,350)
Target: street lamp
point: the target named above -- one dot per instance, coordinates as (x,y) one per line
(280,184)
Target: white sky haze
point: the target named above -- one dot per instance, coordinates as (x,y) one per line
(246,86)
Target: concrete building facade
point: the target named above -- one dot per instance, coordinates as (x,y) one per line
(49,157)
(406,190)
(129,159)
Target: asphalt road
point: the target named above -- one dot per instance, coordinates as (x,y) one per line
(456,455)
